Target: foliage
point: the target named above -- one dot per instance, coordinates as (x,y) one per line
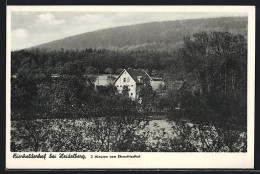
(125,91)
(119,70)
(116,130)
(91,70)
(108,70)
(119,134)
(190,137)
(111,79)
(108,129)
(108,90)
(30,135)
(155,73)
(215,69)
(148,97)
(72,62)
(216,60)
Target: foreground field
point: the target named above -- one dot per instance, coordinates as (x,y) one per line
(88,135)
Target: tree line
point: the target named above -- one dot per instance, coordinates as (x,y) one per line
(88,61)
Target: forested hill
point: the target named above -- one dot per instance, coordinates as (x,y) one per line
(159,36)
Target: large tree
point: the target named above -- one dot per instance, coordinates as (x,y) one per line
(148,96)
(217,62)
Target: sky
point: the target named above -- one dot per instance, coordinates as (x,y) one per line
(29,28)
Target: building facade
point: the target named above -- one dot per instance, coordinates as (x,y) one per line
(132,80)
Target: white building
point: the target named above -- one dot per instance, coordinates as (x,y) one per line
(133,79)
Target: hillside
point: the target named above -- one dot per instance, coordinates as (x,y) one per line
(159,36)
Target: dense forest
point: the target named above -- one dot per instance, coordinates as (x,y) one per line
(209,110)
(157,36)
(88,61)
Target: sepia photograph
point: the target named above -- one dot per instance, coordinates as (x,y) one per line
(129,81)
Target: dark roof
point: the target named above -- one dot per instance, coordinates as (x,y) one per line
(176,85)
(135,73)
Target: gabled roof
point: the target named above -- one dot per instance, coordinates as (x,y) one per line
(176,85)
(134,74)
(156,84)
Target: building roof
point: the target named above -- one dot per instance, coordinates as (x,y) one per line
(138,73)
(176,85)
(156,84)
(135,74)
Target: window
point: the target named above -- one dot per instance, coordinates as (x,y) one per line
(132,85)
(120,85)
(124,79)
(128,79)
(131,93)
(117,86)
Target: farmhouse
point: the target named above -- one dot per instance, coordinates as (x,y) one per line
(132,80)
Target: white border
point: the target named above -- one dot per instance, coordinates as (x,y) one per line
(148,159)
